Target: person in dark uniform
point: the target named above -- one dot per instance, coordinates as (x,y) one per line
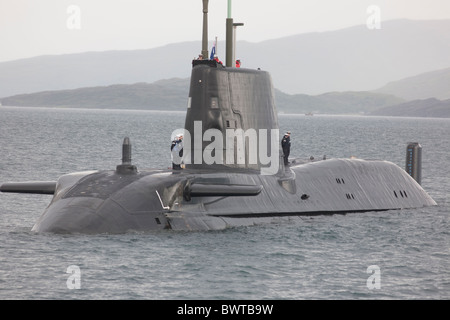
(286,146)
(177,151)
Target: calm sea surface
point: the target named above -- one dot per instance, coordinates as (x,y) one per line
(389,255)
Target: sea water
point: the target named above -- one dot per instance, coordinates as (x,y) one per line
(401,254)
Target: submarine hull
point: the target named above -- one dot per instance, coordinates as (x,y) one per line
(105,202)
(158,199)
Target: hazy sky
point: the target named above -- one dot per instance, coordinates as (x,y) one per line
(30,28)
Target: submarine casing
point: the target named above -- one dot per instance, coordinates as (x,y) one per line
(315,188)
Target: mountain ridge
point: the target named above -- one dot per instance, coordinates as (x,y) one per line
(350,59)
(425,108)
(172,94)
(433,84)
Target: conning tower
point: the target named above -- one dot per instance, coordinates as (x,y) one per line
(232,111)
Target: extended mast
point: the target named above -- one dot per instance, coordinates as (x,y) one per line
(205,30)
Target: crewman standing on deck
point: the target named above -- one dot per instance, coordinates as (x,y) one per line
(286,146)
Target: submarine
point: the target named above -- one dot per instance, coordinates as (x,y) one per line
(232,170)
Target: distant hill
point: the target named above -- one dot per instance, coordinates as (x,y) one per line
(432,108)
(93,69)
(161,95)
(351,59)
(335,102)
(356,58)
(434,84)
(172,94)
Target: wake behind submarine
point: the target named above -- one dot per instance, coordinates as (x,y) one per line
(234,173)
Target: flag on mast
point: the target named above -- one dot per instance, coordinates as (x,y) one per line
(213,50)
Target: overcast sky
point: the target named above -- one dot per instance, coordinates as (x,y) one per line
(30,28)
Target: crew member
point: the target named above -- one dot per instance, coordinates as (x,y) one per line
(216,58)
(286,146)
(176,149)
(238,63)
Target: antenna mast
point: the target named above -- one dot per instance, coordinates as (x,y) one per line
(229,38)
(205,30)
